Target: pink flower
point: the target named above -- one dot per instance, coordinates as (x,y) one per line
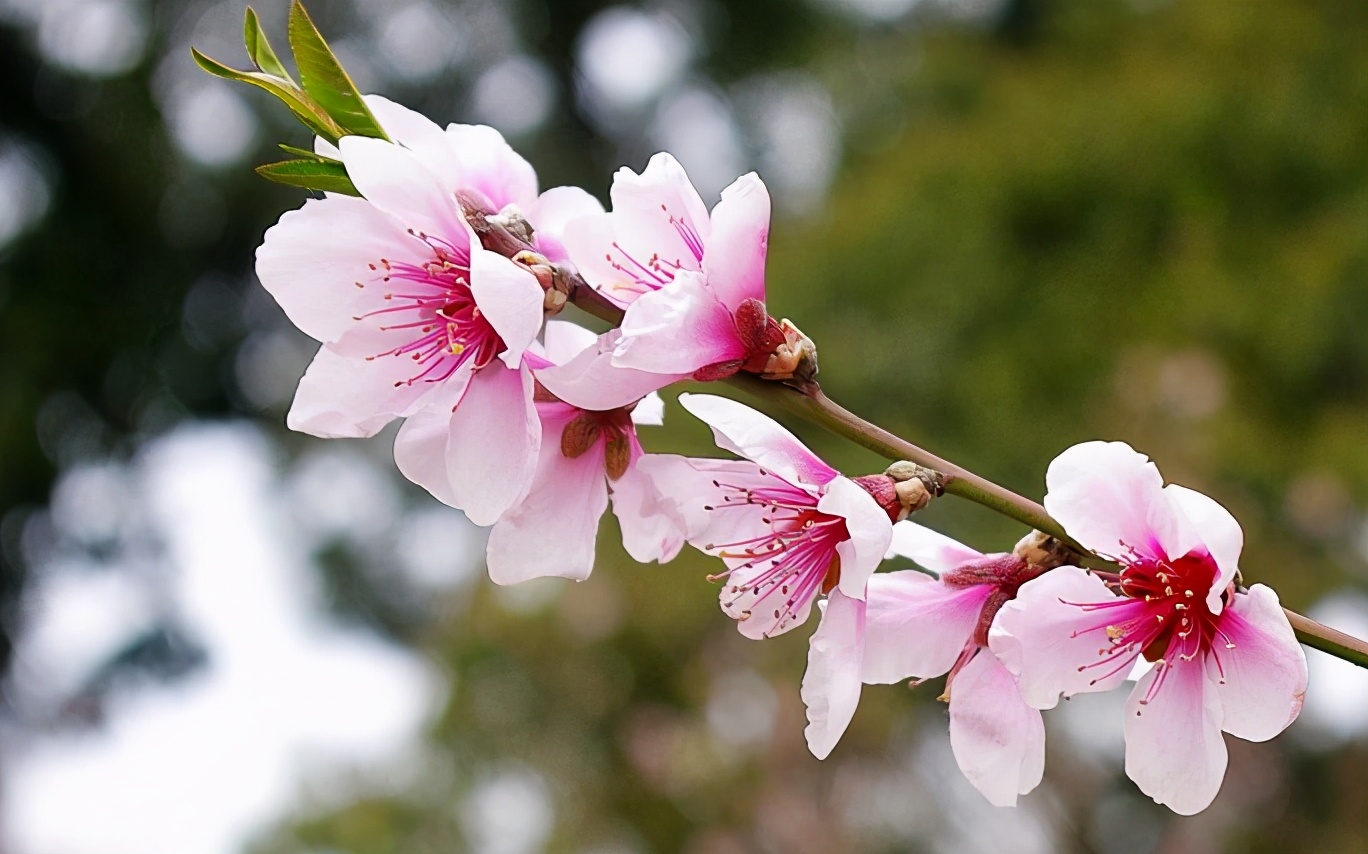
(914,627)
(584,458)
(693,284)
(787,525)
(417,319)
(1224,659)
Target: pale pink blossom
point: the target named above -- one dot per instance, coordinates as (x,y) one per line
(585,457)
(416,318)
(912,626)
(1223,658)
(786,524)
(692,283)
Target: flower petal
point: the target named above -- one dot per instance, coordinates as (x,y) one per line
(678,329)
(831,685)
(1174,749)
(650,531)
(489,165)
(735,259)
(1217,530)
(509,296)
(396,181)
(741,430)
(1110,498)
(915,626)
(1053,646)
(655,211)
(553,211)
(931,550)
(495,434)
(419,134)
(552,531)
(420,451)
(869,528)
(685,487)
(998,740)
(312,259)
(564,341)
(1261,679)
(344,397)
(591,381)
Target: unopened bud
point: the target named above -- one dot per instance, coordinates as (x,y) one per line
(795,359)
(1044,551)
(915,485)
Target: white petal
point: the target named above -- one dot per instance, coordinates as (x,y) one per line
(344,397)
(915,626)
(591,381)
(396,181)
(735,259)
(312,260)
(564,341)
(678,329)
(1174,749)
(552,531)
(495,433)
(741,430)
(650,530)
(553,211)
(1055,647)
(831,685)
(1110,498)
(1217,530)
(1261,679)
(929,549)
(420,450)
(489,165)
(870,532)
(510,297)
(998,740)
(419,134)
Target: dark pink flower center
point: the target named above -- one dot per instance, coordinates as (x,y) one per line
(785,567)
(1161,614)
(431,313)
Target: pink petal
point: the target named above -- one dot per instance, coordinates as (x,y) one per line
(735,259)
(1214,528)
(344,397)
(1174,749)
(420,451)
(489,165)
(509,296)
(495,434)
(650,530)
(649,411)
(685,487)
(831,685)
(419,134)
(591,381)
(741,430)
(1262,679)
(1053,646)
(396,181)
(1110,499)
(998,740)
(915,626)
(678,329)
(929,549)
(869,527)
(564,341)
(552,531)
(644,206)
(312,259)
(553,211)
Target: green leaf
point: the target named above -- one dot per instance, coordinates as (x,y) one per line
(305,153)
(326,175)
(259,49)
(299,102)
(325,80)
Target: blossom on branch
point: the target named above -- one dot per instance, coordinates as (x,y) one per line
(585,457)
(912,626)
(692,284)
(1223,658)
(417,318)
(788,526)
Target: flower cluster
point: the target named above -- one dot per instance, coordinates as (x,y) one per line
(430,292)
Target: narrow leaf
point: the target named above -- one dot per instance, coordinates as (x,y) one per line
(259,49)
(306,154)
(326,175)
(325,80)
(299,102)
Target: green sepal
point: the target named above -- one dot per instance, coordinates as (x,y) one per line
(325,80)
(323,174)
(300,103)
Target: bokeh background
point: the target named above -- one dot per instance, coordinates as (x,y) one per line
(1010,225)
